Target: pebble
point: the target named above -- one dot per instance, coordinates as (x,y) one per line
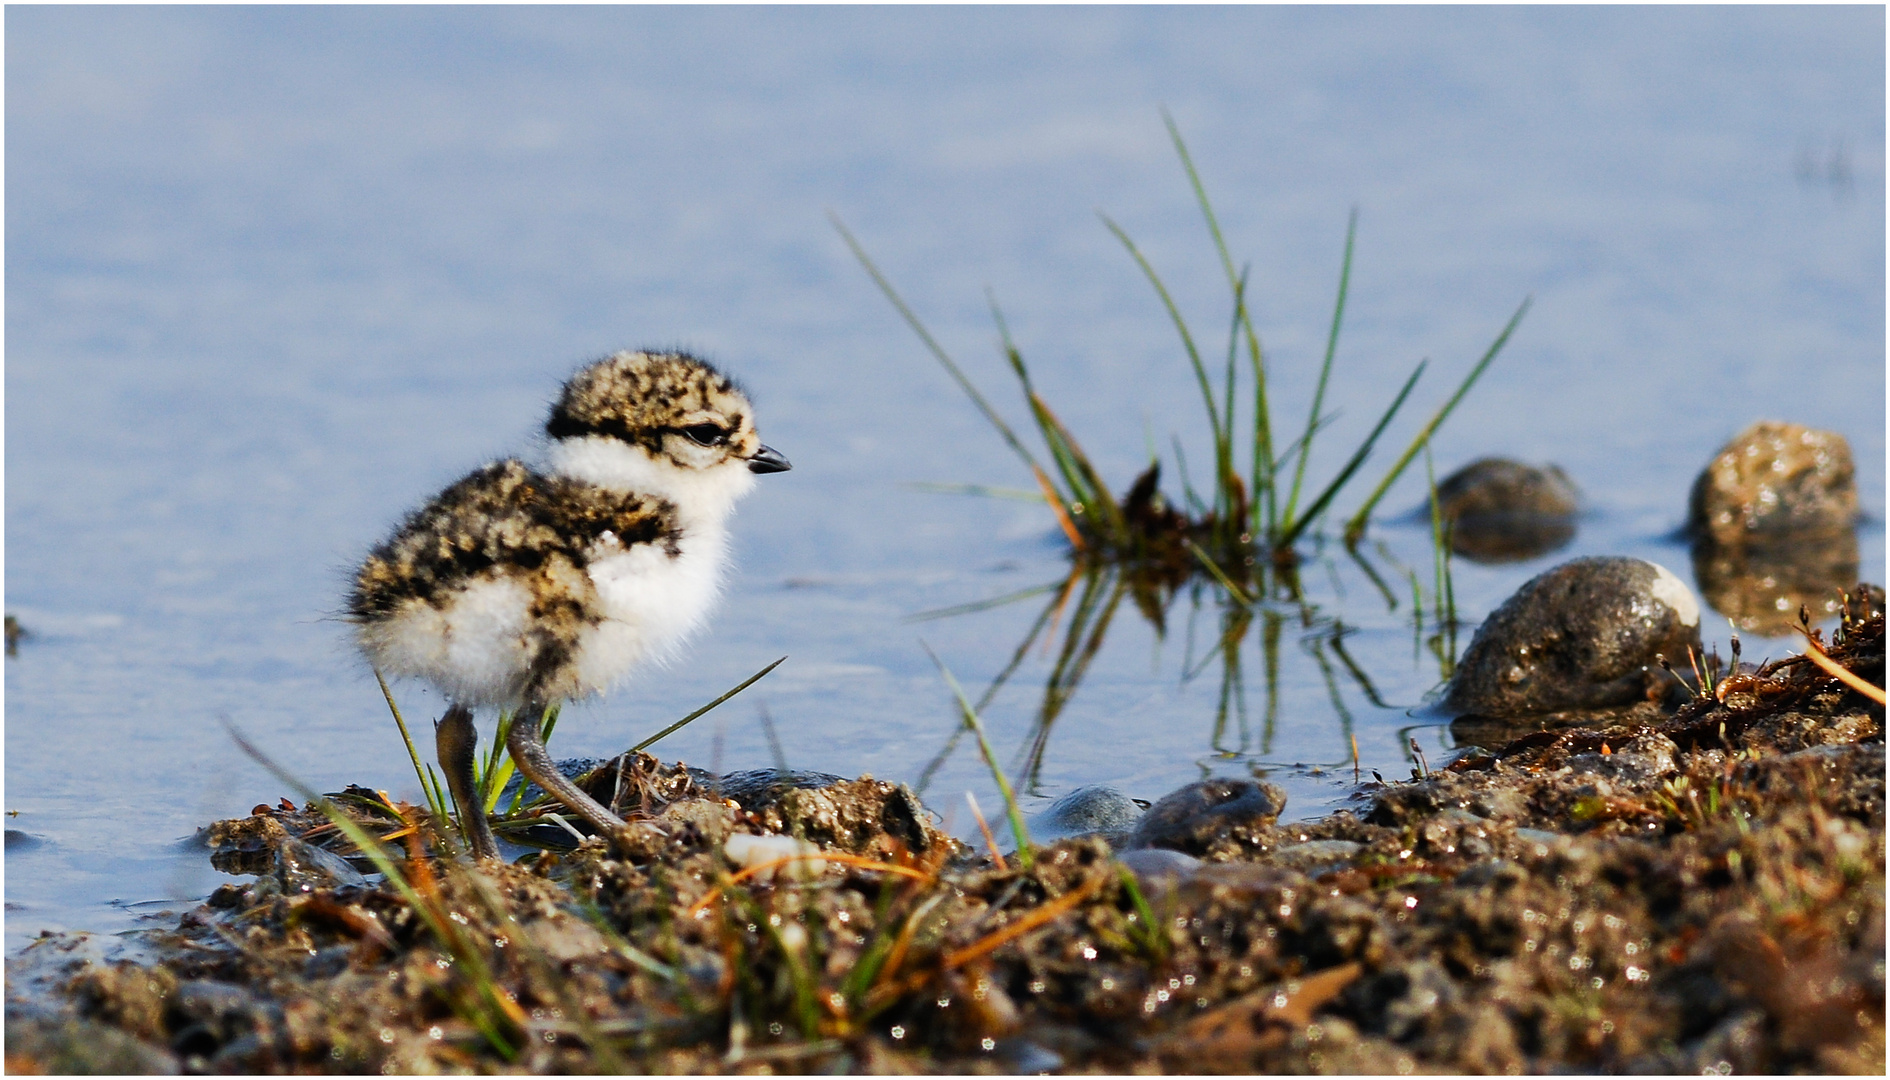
(1151,864)
(1775,482)
(748,851)
(1193,818)
(1640,758)
(302,868)
(1095,808)
(1585,634)
(1504,511)
(1317,857)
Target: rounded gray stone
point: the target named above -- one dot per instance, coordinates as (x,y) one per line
(1583,635)
(1094,808)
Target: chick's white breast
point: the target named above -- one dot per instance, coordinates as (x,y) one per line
(651,602)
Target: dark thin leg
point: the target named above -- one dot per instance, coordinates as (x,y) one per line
(528,752)
(455,740)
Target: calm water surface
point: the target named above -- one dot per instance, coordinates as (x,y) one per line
(273,275)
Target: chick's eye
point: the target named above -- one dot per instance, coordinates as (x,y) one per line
(706,434)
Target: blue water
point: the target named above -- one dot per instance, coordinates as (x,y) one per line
(274,275)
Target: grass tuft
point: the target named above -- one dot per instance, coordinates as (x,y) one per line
(1243,521)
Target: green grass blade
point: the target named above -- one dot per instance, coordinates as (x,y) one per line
(1224,436)
(1104,512)
(1355,528)
(685,721)
(435,804)
(1024,853)
(1195,506)
(1200,194)
(912,320)
(1263,433)
(1358,459)
(984,605)
(1218,574)
(1287,518)
(1265,504)
(1181,324)
(1062,450)
(1437,536)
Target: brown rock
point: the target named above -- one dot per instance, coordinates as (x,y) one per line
(1774,481)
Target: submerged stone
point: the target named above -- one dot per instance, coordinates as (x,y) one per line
(1093,808)
(1585,634)
(1502,511)
(1774,481)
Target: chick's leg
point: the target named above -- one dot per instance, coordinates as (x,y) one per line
(456,740)
(528,752)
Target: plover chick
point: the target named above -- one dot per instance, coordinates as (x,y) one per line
(520,587)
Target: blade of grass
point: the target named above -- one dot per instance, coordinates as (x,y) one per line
(1018,833)
(1219,575)
(680,724)
(1181,325)
(436,803)
(1355,528)
(931,344)
(1263,435)
(1085,488)
(1293,530)
(985,605)
(1101,503)
(1287,518)
(1195,506)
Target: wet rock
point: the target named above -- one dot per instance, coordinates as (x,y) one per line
(302,867)
(1774,481)
(865,817)
(206,1015)
(1211,816)
(1772,519)
(1315,857)
(22,841)
(755,787)
(261,845)
(81,1047)
(1585,634)
(1096,808)
(1643,757)
(1502,511)
(1159,871)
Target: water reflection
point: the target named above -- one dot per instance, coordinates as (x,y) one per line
(1222,609)
(1761,587)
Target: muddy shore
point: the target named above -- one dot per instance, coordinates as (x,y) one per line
(1647,889)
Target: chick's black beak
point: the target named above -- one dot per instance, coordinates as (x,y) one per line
(767,460)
